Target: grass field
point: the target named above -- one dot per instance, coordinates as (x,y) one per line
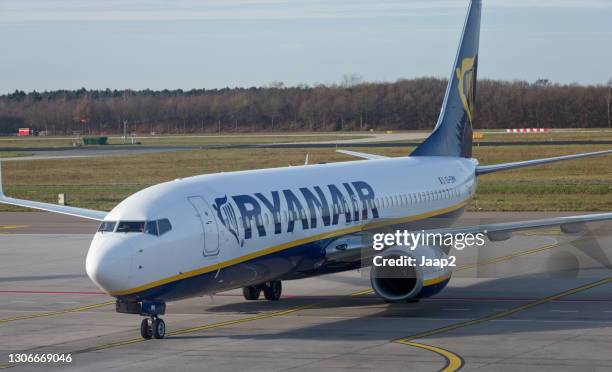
(190,140)
(586,135)
(283,137)
(100,183)
(13,154)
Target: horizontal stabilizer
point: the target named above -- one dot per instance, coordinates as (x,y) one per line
(484,169)
(361,155)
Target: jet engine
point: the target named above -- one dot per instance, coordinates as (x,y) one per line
(401,274)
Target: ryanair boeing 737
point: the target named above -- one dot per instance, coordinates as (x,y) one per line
(253,229)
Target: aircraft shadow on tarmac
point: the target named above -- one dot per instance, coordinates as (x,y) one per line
(422,314)
(581,261)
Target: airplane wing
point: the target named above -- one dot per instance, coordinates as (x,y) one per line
(568,224)
(356,246)
(484,169)
(56,208)
(361,154)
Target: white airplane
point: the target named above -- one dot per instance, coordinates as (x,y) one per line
(252,229)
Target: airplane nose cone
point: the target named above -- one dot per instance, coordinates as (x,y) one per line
(108,264)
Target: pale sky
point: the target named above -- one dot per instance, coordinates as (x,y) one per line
(68,44)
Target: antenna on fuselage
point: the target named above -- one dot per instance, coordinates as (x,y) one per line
(306,161)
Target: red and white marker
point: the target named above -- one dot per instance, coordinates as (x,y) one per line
(527,130)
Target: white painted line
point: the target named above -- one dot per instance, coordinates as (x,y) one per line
(22,302)
(563,311)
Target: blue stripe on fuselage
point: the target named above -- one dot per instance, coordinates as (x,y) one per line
(297,262)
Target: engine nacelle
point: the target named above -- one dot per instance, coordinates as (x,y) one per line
(573,228)
(409,282)
(499,236)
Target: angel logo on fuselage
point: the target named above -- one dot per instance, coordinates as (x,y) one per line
(227,216)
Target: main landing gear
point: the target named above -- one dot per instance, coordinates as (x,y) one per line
(271,290)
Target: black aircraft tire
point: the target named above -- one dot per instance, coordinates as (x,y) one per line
(251,293)
(159,328)
(273,290)
(145,329)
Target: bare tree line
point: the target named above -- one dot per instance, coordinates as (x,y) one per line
(353,105)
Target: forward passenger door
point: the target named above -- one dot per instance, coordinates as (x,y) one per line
(210,231)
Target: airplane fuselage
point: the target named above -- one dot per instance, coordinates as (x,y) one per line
(230,230)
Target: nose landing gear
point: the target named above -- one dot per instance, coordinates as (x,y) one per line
(153,327)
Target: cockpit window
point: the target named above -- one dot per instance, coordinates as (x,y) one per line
(107,226)
(131,226)
(163,226)
(151,227)
(156,227)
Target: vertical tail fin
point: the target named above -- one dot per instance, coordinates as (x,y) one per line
(452,135)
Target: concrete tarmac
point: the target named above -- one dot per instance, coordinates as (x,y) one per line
(539,301)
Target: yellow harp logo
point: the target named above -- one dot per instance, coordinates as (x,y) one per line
(465,75)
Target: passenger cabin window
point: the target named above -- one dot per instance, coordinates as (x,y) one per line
(107,226)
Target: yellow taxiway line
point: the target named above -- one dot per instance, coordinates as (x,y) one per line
(53,313)
(3,228)
(453,361)
(503,314)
